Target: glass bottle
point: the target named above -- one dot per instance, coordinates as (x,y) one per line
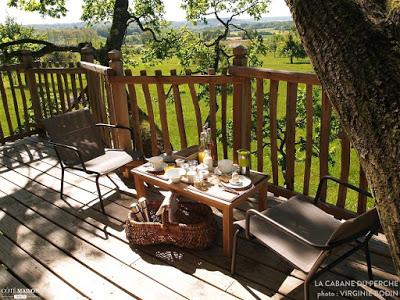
(203,146)
(210,145)
(244,161)
(208,160)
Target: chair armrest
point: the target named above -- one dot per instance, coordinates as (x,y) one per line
(68,147)
(348,185)
(252,212)
(115,126)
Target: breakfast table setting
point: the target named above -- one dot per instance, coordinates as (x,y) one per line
(201,177)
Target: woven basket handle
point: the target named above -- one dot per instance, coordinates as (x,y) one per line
(164,217)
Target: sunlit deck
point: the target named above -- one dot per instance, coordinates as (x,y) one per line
(69,249)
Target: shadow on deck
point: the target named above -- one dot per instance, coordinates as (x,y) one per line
(69,249)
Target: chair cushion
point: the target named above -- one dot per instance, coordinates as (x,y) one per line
(108,162)
(302,217)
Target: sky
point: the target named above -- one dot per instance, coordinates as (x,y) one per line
(277,8)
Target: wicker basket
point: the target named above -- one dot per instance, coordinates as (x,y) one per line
(196,227)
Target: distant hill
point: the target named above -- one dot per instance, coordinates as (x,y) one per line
(174,24)
(102,30)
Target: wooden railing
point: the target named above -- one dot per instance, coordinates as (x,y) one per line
(292,81)
(167,112)
(33,91)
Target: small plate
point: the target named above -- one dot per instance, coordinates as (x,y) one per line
(150,168)
(244,182)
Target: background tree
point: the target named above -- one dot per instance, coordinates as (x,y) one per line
(292,47)
(148,16)
(273,43)
(361,75)
(11,31)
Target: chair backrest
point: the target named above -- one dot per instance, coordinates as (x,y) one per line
(78,129)
(354,226)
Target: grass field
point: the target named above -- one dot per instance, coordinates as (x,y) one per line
(269,61)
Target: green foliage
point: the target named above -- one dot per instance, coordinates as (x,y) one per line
(198,11)
(72,37)
(161,41)
(292,47)
(274,43)
(255,48)
(11,31)
(300,123)
(97,11)
(52,8)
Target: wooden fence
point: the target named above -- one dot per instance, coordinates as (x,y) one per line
(167,112)
(292,80)
(33,91)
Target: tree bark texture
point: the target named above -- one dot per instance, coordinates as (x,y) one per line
(354,48)
(118,28)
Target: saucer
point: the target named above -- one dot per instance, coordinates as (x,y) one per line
(243,182)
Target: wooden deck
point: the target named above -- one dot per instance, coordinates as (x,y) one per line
(68,249)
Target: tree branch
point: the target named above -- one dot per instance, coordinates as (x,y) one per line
(47,49)
(143,28)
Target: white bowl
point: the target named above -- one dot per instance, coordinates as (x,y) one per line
(225,166)
(175,174)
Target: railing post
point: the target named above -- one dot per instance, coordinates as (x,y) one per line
(93,86)
(119,100)
(27,62)
(87,53)
(243,102)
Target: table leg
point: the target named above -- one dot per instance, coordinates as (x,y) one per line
(262,196)
(227,230)
(139,186)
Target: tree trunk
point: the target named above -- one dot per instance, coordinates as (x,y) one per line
(118,28)
(355,56)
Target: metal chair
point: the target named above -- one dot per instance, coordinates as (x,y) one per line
(78,145)
(305,235)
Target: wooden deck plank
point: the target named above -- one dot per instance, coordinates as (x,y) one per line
(272,263)
(32,152)
(45,146)
(51,167)
(44,181)
(87,282)
(47,284)
(260,255)
(8,280)
(114,247)
(227,280)
(40,172)
(116,272)
(201,263)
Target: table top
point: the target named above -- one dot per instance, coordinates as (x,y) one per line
(214,193)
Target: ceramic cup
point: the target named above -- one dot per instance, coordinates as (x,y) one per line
(179,162)
(191,174)
(225,166)
(156,162)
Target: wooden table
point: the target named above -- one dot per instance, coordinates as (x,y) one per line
(224,201)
